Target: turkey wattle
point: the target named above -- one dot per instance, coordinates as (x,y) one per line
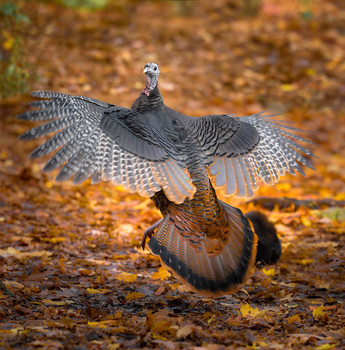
(178,161)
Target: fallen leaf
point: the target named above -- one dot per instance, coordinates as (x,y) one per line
(13,285)
(326,346)
(134,296)
(162,274)
(57,303)
(318,312)
(185,331)
(269,272)
(247,310)
(160,291)
(97,291)
(294,319)
(126,277)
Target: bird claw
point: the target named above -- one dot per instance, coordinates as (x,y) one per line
(149,232)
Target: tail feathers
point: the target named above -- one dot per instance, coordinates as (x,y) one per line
(208,265)
(269,247)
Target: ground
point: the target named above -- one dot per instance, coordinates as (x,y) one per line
(72,273)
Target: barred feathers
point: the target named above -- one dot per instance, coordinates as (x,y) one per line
(178,160)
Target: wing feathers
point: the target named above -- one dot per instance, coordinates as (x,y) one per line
(275,154)
(106,142)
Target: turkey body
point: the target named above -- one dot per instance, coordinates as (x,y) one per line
(207,244)
(179,161)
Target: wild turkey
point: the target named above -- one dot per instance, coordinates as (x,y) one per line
(178,161)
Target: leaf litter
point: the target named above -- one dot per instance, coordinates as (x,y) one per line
(72,274)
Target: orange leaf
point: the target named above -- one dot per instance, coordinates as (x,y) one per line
(160,290)
(293,319)
(247,310)
(162,274)
(126,277)
(134,296)
(97,291)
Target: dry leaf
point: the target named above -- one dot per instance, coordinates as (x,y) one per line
(247,310)
(134,296)
(162,274)
(97,291)
(126,277)
(269,272)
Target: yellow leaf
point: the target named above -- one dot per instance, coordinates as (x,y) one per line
(248,62)
(305,221)
(211,319)
(287,87)
(8,43)
(57,303)
(97,291)
(49,184)
(284,186)
(120,188)
(12,251)
(162,274)
(340,196)
(325,346)
(126,277)
(107,324)
(55,239)
(23,255)
(102,324)
(246,310)
(174,286)
(13,331)
(318,312)
(134,296)
(113,346)
(293,319)
(269,272)
(303,261)
(118,314)
(310,72)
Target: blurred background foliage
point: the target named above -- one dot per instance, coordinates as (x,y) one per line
(14,71)
(85,4)
(221,56)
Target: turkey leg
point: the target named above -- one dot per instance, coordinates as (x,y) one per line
(149,232)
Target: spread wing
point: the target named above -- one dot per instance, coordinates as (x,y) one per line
(105,142)
(242,151)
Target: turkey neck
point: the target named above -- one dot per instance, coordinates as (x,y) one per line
(149,103)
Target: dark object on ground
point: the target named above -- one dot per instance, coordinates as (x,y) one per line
(269,249)
(288,203)
(178,161)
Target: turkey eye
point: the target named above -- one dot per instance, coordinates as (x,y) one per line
(155,68)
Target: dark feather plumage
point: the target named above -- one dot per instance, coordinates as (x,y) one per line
(177,160)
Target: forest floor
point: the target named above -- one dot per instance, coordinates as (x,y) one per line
(72,273)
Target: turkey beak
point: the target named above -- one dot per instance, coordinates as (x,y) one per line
(145,70)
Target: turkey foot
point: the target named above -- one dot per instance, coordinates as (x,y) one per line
(149,232)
